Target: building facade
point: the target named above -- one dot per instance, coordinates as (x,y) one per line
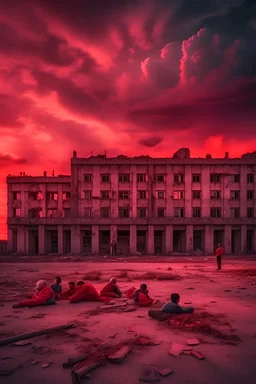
(147,205)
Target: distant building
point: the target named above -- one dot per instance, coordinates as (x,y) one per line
(147,205)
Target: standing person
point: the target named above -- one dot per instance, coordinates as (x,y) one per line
(219,254)
(115,248)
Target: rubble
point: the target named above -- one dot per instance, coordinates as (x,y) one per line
(71,362)
(197,354)
(149,374)
(193,342)
(176,349)
(120,354)
(165,372)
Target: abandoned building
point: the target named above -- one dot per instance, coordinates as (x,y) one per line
(147,205)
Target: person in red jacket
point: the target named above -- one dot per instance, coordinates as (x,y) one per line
(111,289)
(84,292)
(44,296)
(219,254)
(68,293)
(141,296)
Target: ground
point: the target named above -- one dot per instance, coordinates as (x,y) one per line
(231,292)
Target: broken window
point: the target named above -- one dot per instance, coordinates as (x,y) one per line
(160,178)
(124,195)
(235,178)
(87,212)
(104,212)
(15,195)
(215,178)
(234,212)
(88,178)
(87,195)
(160,212)
(52,213)
(66,195)
(178,178)
(35,212)
(250,178)
(124,212)
(142,195)
(66,212)
(234,195)
(250,195)
(35,195)
(178,212)
(196,212)
(52,196)
(16,212)
(196,194)
(141,177)
(124,178)
(178,195)
(142,212)
(249,212)
(160,194)
(105,178)
(215,212)
(105,194)
(196,178)
(215,195)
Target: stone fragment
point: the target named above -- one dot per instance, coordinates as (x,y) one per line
(193,342)
(120,354)
(197,354)
(176,349)
(149,374)
(165,372)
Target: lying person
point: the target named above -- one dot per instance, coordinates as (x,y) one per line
(44,296)
(68,293)
(173,306)
(85,292)
(111,289)
(56,287)
(141,296)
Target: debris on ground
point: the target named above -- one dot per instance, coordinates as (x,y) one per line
(72,361)
(80,373)
(187,352)
(38,316)
(165,372)
(176,349)
(157,276)
(188,302)
(197,354)
(34,362)
(46,365)
(193,342)
(149,374)
(190,288)
(92,276)
(22,343)
(120,354)
(227,290)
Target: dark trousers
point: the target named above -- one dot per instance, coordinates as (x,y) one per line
(219,262)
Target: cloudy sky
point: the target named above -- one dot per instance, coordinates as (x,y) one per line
(130,77)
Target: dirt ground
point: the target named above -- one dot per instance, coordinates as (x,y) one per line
(231,292)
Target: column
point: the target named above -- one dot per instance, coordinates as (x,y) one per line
(41,239)
(189,238)
(133,239)
(168,239)
(96,191)
(209,239)
(75,239)
(113,233)
(60,239)
(114,191)
(10,244)
(21,240)
(151,245)
(188,193)
(133,198)
(95,239)
(60,199)
(227,239)
(243,194)
(206,185)
(169,196)
(42,188)
(243,239)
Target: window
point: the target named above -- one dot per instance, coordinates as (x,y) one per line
(88,178)
(196,178)
(249,212)
(196,194)
(178,212)
(124,195)
(35,195)
(52,196)
(235,178)
(142,212)
(66,195)
(105,178)
(234,195)
(234,212)
(160,194)
(104,212)
(250,195)
(50,213)
(215,178)
(160,178)
(215,212)
(250,178)
(215,195)
(161,212)
(15,195)
(142,195)
(16,212)
(178,178)
(178,195)
(124,212)
(141,177)
(66,212)
(124,178)
(87,212)
(196,212)
(105,194)
(87,195)
(37,212)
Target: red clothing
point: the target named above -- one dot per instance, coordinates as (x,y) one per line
(66,294)
(219,251)
(39,298)
(87,292)
(144,300)
(130,293)
(108,291)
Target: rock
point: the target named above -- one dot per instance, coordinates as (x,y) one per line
(197,354)
(120,354)
(176,349)
(187,352)
(190,288)
(140,316)
(165,372)
(34,362)
(193,342)
(149,374)
(45,365)
(130,309)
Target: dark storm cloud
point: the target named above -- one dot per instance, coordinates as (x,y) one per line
(151,141)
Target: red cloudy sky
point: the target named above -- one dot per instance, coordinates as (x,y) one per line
(130,77)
